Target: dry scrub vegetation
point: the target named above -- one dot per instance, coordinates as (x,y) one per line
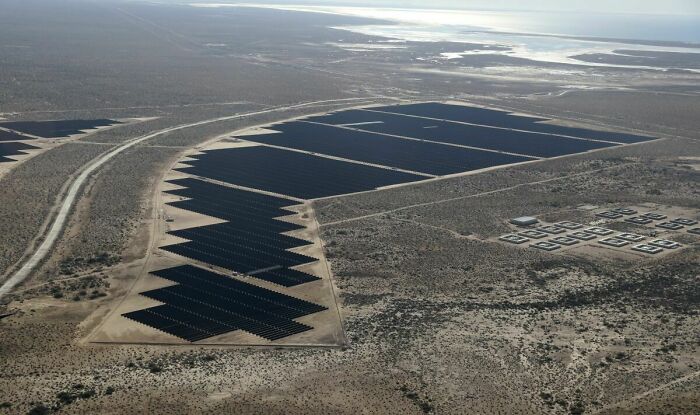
(438,332)
(115,205)
(29,191)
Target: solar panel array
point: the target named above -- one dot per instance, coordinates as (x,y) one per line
(6,135)
(413,155)
(13,149)
(322,156)
(485,116)
(291,173)
(56,129)
(499,139)
(251,242)
(204,304)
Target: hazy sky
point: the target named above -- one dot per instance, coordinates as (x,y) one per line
(607,6)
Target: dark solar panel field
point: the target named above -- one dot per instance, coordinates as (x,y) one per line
(486,116)
(435,111)
(525,143)
(56,129)
(413,155)
(414,138)
(229,201)
(13,149)
(12,136)
(204,304)
(291,173)
(251,242)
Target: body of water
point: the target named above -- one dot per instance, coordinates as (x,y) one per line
(539,36)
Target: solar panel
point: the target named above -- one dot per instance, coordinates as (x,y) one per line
(501,138)
(204,304)
(56,129)
(291,173)
(13,149)
(285,277)
(230,197)
(12,136)
(244,262)
(161,318)
(252,242)
(240,217)
(485,116)
(188,275)
(369,147)
(216,233)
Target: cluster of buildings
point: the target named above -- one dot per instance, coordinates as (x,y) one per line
(552,237)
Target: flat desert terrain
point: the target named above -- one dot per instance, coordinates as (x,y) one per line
(289,229)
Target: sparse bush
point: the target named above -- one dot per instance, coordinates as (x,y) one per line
(577,408)
(39,409)
(66,398)
(154,367)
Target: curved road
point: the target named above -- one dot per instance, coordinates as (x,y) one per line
(74,191)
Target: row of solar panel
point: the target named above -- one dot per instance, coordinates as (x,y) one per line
(251,242)
(238,256)
(495,138)
(49,129)
(485,116)
(416,138)
(230,198)
(250,219)
(412,155)
(204,304)
(379,136)
(291,173)
(13,149)
(6,135)
(250,237)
